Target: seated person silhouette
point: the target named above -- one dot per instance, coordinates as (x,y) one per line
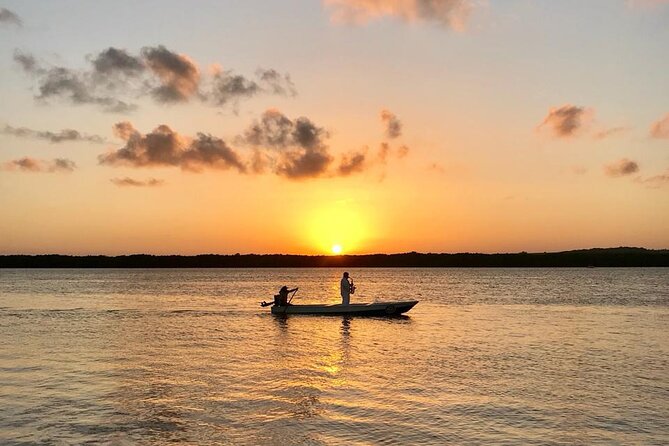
(281,299)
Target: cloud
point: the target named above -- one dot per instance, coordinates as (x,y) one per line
(165,147)
(452,14)
(70,85)
(28,63)
(113,61)
(10,18)
(607,133)
(178,74)
(28,164)
(385,151)
(300,143)
(660,128)
(403,151)
(229,87)
(209,151)
(392,123)
(62,164)
(656,181)
(124,182)
(276,83)
(124,130)
(65,135)
(304,164)
(621,168)
(352,163)
(166,76)
(64,83)
(273,130)
(296,149)
(566,120)
(260,162)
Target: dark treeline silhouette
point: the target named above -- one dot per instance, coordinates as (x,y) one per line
(597,257)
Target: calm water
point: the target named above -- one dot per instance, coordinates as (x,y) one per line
(489,356)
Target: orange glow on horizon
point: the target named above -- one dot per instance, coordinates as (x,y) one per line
(341,225)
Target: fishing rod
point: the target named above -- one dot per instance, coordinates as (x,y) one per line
(291,297)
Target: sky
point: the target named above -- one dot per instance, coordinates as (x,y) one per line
(316,127)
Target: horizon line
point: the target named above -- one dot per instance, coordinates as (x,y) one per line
(340,255)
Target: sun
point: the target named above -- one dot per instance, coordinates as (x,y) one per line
(336,228)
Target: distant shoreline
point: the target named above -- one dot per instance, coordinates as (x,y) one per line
(596,257)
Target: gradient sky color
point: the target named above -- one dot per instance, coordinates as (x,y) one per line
(510,126)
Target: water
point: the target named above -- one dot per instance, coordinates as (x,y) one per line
(488,356)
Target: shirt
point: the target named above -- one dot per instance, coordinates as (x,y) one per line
(345,287)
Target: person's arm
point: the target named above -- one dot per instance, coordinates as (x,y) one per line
(294,289)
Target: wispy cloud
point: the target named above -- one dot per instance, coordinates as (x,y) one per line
(393,126)
(28,63)
(10,18)
(622,167)
(660,128)
(70,85)
(131,182)
(608,133)
(403,151)
(386,151)
(116,78)
(451,14)
(656,181)
(352,163)
(65,135)
(228,87)
(28,164)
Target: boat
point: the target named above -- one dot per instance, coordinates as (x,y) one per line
(368,309)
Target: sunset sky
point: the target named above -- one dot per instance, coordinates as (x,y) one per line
(257,126)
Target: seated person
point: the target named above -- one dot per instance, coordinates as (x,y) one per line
(281,299)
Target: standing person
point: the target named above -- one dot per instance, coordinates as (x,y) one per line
(345,289)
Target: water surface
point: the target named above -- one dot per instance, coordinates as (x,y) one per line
(488,356)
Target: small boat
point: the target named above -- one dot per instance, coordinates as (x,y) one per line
(369,309)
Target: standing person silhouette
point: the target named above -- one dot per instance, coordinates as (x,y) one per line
(345,289)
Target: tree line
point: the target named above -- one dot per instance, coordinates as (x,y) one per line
(597,257)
